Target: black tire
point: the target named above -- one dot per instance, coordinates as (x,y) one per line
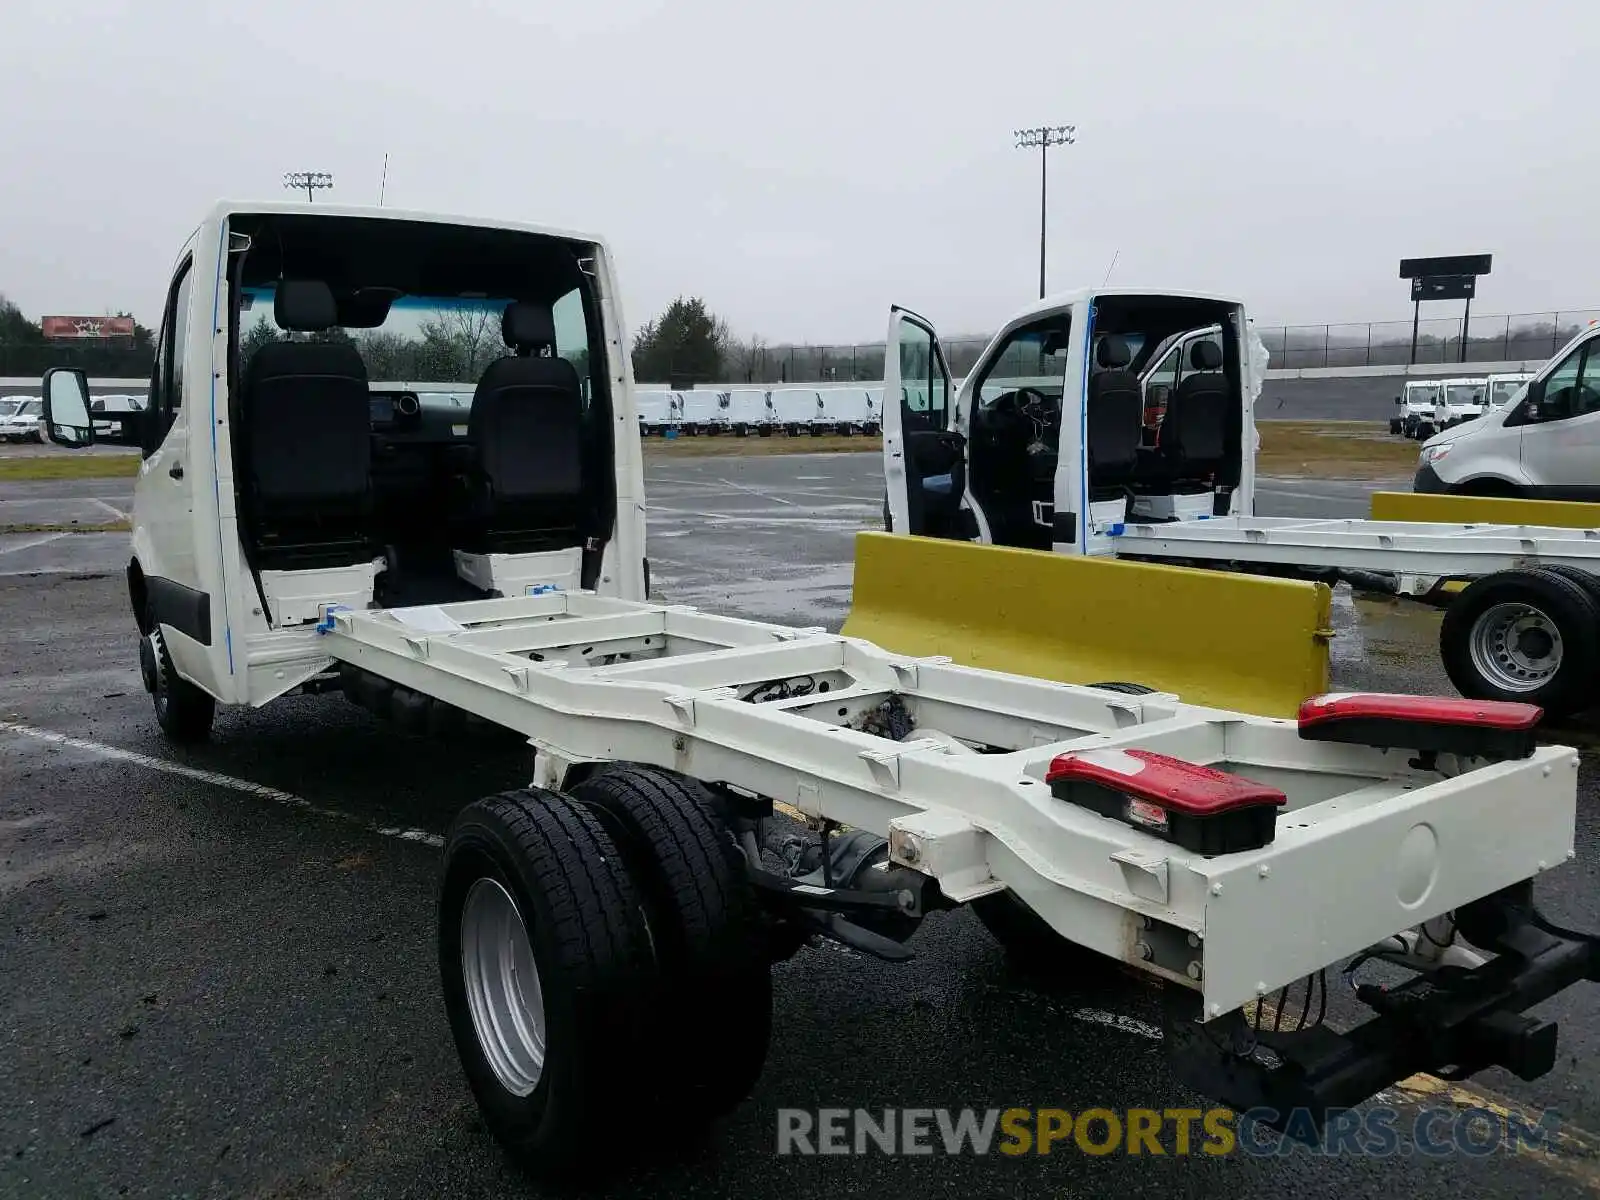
(184,712)
(1589,582)
(1568,604)
(716,1004)
(591,949)
(1033,949)
(1487,487)
(1130,689)
(888,525)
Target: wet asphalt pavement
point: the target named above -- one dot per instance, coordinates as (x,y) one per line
(218,977)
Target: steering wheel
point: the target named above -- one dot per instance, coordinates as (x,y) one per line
(1036,405)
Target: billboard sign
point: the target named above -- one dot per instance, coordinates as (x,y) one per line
(85,328)
(1456,264)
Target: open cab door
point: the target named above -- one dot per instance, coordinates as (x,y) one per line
(924,457)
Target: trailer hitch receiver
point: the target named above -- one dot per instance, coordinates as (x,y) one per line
(1452,1023)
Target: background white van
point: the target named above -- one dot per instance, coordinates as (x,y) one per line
(1545,446)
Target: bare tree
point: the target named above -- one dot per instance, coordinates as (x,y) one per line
(745,358)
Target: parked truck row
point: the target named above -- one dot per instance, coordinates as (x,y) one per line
(762,412)
(1427,406)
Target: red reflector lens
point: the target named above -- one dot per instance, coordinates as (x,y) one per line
(1171,784)
(1426,710)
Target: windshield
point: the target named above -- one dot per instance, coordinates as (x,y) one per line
(1032,358)
(424,339)
(1503,391)
(1464,395)
(1425,393)
(31,408)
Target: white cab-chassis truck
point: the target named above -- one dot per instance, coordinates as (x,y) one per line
(606,934)
(1060,439)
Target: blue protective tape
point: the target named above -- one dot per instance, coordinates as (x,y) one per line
(326,624)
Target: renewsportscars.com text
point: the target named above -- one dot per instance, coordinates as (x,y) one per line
(1378,1131)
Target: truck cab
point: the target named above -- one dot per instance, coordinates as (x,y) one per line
(1060,433)
(1504,388)
(1418,403)
(278,481)
(1460,400)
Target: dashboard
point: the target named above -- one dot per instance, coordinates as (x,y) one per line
(391,409)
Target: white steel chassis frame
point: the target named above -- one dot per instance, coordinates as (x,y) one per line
(1369,845)
(1420,553)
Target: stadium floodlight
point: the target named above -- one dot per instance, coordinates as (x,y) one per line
(1042,137)
(308,182)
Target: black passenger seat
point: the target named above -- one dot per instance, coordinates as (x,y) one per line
(305,440)
(1193,441)
(525,483)
(1114,417)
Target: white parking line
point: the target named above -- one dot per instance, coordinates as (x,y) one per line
(114,511)
(765,495)
(217,779)
(28,543)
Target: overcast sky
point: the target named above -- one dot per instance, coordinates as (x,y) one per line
(802,166)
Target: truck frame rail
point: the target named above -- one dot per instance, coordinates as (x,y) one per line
(954,765)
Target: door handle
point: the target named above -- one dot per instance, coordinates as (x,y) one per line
(176,471)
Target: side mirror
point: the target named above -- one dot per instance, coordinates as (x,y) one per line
(1531,408)
(1399,400)
(66,408)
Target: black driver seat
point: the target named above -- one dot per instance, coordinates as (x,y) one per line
(525,432)
(306,440)
(1114,417)
(1192,443)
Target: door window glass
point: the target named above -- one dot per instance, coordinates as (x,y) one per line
(1572,389)
(925,385)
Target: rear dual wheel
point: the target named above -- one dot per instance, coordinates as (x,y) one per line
(598,952)
(1527,635)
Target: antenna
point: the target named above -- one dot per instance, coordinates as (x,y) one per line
(1111,268)
(384,182)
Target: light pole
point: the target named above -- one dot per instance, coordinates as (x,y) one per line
(308,182)
(1044,136)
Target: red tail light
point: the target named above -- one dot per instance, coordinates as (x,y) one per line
(1200,808)
(1446,724)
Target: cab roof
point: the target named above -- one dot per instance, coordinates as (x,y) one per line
(1060,300)
(223,209)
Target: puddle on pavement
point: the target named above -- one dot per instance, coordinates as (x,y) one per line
(1370,627)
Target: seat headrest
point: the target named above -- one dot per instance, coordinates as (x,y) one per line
(1112,353)
(1205,356)
(525,326)
(304,305)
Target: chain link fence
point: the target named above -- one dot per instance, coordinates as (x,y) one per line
(1518,337)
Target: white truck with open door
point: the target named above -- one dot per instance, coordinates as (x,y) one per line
(1046,446)
(608,931)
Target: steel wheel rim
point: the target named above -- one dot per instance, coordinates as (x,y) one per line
(1516,647)
(502,985)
